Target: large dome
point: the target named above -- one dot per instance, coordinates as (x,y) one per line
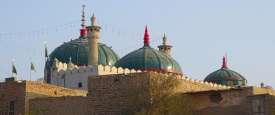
(77,50)
(147,58)
(226,76)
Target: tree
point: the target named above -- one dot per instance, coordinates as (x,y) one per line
(160,98)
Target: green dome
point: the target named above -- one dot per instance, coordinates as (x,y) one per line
(147,58)
(226,76)
(77,50)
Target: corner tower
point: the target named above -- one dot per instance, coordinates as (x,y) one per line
(93,37)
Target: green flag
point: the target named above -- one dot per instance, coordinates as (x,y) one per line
(46,52)
(14,69)
(32,67)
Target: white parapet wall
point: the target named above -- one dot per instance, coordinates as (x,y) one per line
(76,77)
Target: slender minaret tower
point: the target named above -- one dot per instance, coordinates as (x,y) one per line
(83,30)
(165,47)
(93,37)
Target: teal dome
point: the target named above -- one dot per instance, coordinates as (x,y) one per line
(226,76)
(147,58)
(77,50)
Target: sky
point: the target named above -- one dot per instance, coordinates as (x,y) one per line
(201,32)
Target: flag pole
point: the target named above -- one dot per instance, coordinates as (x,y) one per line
(46,58)
(14,71)
(30,70)
(30,74)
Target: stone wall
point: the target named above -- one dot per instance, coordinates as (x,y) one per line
(119,94)
(108,95)
(262,104)
(113,94)
(51,90)
(37,90)
(228,102)
(12,98)
(235,101)
(259,90)
(15,95)
(59,106)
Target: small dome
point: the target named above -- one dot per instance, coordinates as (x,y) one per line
(77,50)
(225,76)
(147,58)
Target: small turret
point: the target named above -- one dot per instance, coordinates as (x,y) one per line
(93,37)
(55,64)
(165,47)
(70,65)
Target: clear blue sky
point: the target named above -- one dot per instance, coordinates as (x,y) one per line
(201,31)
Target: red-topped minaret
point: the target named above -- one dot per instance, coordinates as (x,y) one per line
(146,37)
(83,30)
(224,62)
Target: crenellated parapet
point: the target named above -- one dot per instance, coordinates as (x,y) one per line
(187,82)
(60,69)
(74,71)
(100,70)
(60,66)
(204,83)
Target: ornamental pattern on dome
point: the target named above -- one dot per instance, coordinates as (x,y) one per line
(147,58)
(226,76)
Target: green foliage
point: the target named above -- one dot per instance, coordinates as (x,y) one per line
(159,98)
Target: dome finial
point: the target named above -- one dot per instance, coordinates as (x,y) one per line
(83,31)
(224,62)
(93,20)
(146,37)
(164,39)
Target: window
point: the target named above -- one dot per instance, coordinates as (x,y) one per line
(258,107)
(79,85)
(11,112)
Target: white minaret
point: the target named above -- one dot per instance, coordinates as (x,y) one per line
(93,37)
